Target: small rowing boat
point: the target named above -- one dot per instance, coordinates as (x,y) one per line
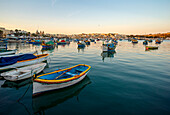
(23,72)
(23,60)
(60,79)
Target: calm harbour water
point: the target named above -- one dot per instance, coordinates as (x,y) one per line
(130,81)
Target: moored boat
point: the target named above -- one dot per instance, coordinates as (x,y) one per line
(151,47)
(87,42)
(61,42)
(134,41)
(145,42)
(23,60)
(7,52)
(150,40)
(23,72)
(109,47)
(81,44)
(60,79)
(48,45)
(158,41)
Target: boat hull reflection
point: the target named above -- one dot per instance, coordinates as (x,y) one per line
(53,98)
(16,85)
(107,54)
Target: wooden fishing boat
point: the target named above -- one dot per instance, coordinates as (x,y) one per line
(7,52)
(109,47)
(60,79)
(145,42)
(27,59)
(151,47)
(150,40)
(134,41)
(47,45)
(23,72)
(81,44)
(158,41)
(61,42)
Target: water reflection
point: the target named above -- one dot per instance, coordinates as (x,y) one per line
(51,50)
(107,54)
(16,85)
(80,49)
(51,99)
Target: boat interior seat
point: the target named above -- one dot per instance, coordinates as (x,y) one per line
(79,70)
(71,74)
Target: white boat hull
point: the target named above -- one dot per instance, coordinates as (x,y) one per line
(25,63)
(24,72)
(41,87)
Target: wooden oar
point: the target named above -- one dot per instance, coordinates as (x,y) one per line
(62,74)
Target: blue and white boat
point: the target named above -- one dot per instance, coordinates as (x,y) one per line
(60,79)
(21,60)
(108,47)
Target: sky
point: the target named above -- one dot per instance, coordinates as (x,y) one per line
(86,16)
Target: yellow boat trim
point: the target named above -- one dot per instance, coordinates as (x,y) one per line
(39,56)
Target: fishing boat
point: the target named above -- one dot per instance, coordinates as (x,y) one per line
(92,40)
(108,47)
(134,41)
(81,44)
(60,79)
(7,52)
(114,41)
(61,42)
(158,41)
(48,45)
(23,60)
(87,42)
(48,100)
(145,42)
(150,40)
(36,42)
(23,72)
(151,47)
